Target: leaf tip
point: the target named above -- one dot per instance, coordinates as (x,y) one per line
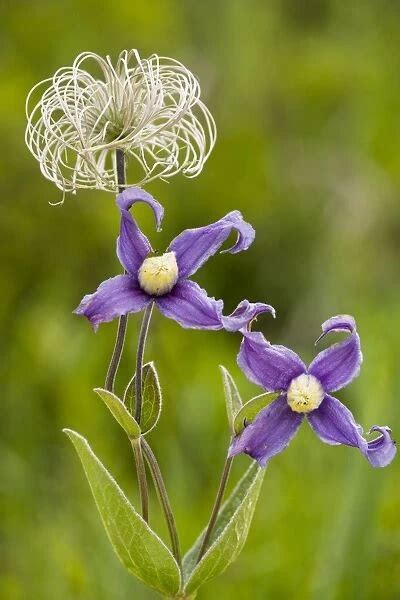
(73,435)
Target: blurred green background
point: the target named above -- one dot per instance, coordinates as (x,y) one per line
(306,96)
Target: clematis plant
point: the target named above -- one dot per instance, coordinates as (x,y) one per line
(82,130)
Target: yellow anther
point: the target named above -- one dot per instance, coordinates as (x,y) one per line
(305,393)
(158,274)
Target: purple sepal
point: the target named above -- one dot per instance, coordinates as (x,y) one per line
(132,245)
(189,305)
(272,367)
(193,247)
(244,313)
(114,297)
(336,366)
(270,432)
(334,424)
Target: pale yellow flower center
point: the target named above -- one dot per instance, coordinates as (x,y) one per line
(158,274)
(305,393)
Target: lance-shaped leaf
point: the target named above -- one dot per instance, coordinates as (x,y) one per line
(232,397)
(120,413)
(250,410)
(151,397)
(139,549)
(229,534)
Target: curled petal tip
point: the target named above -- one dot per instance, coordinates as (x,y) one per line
(131,195)
(244,314)
(246,232)
(381,429)
(337,323)
(381,450)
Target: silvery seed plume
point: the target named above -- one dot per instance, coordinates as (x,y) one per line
(148,108)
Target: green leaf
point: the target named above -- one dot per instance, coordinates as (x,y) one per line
(250,410)
(151,397)
(120,413)
(229,534)
(232,397)
(139,549)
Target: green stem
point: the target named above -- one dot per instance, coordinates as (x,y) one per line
(139,361)
(164,500)
(137,445)
(217,506)
(142,480)
(116,355)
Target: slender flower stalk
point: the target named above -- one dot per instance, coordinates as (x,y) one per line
(142,479)
(137,444)
(139,361)
(217,505)
(117,353)
(163,499)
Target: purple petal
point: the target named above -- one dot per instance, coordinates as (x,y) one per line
(334,424)
(114,297)
(244,313)
(189,305)
(132,245)
(270,432)
(193,247)
(336,366)
(272,367)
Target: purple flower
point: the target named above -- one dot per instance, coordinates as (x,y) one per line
(163,279)
(305,393)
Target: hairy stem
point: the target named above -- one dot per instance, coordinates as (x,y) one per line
(123,321)
(121,169)
(139,361)
(116,355)
(164,500)
(142,480)
(137,445)
(217,506)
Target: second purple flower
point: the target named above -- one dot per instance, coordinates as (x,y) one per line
(305,393)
